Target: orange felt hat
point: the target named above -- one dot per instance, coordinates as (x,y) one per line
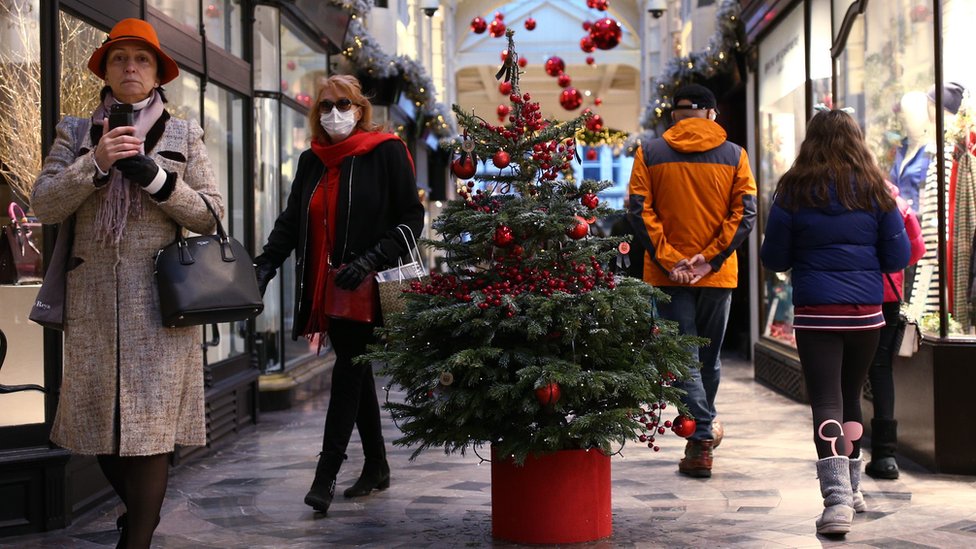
(134,29)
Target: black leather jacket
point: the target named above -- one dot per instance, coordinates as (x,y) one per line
(377,192)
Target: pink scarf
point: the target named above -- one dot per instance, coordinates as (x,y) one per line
(122,196)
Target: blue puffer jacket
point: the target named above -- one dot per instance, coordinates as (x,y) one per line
(837,255)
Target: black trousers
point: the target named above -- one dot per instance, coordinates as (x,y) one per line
(835,364)
(881,374)
(352,400)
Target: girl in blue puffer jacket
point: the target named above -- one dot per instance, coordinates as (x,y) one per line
(834,225)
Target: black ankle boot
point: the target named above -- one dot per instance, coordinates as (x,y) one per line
(320,495)
(884,442)
(120,524)
(375,476)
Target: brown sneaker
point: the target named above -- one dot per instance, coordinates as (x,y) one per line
(698,459)
(718,432)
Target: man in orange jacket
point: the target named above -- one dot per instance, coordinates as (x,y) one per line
(692,203)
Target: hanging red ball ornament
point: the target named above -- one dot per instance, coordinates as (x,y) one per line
(591,154)
(464,166)
(212,11)
(591,3)
(499,16)
(683,426)
(590,200)
(548,394)
(504,55)
(530,24)
(594,123)
(522,62)
(555,66)
(505,88)
(570,99)
(504,237)
(601,5)
(501,159)
(590,60)
(606,33)
(564,80)
(503,110)
(587,44)
(579,230)
(291,65)
(496,28)
(598,101)
(478,25)
(587,25)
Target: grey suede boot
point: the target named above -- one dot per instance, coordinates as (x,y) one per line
(859,505)
(835,487)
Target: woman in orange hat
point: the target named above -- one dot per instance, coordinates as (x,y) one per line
(129,177)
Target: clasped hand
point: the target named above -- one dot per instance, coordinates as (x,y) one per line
(690,271)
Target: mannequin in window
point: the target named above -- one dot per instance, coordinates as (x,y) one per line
(917,149)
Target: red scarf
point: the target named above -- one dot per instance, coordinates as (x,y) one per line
(322,209)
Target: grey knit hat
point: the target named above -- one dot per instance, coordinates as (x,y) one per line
(951,96)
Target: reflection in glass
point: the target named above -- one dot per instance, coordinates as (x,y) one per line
(303,65)
(183,96)
(187,13)
(267,201)
(294,140)
(222,21)
(267,76)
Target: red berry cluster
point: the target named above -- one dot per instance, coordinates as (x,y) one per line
(650,419)
(478,199)
(515,279)
(553,157)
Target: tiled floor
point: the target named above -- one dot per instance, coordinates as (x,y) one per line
(763,493)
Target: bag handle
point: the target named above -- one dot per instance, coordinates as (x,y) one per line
(414,250)
(893,288)
(226,253)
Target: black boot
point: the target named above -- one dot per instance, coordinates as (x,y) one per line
(884,442)
(322,491)
(120,524)
(375,476)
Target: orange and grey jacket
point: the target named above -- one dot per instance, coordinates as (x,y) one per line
(692,192)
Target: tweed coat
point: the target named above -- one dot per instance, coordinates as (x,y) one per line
(117,354)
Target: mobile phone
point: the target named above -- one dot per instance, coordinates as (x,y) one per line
(119,115)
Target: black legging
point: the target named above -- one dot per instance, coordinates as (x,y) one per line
(352,400)
(881,374)
(140,482)
(835,364)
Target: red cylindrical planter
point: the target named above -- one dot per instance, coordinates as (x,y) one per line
(562,497)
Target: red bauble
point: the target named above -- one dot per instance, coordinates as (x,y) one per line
(606,33)
(683,426)
(579,230)
(587,25)
(464,167)
(590,200)
(522,62)
(555,66)
(499,16)
(591,154)
(548,395)
(503,236)
(601,5)
(587,44)
(503,111)
(564,80)
(530,24)
(504,55)
(591,3)
(291,65)
(590,60)
(496,28)
(598,101)
(505,88)
(478,25)
(501,159)
(570,99)
(594,123)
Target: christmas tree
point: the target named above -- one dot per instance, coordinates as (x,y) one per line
(529,343)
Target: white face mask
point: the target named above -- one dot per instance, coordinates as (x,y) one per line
(338,124)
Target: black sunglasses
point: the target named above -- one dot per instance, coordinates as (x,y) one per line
(343,104)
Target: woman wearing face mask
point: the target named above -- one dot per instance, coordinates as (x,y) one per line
(352,189)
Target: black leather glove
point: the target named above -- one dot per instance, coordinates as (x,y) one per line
(353,273)
(139,168)
(264,273)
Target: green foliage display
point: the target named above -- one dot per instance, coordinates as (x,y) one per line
(529,307)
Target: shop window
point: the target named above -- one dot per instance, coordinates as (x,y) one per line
(20,160)
(821,65)
(302,65)
(187,13)
(222,21)
(267,204)
(294,139)
(782,113)
(222,130)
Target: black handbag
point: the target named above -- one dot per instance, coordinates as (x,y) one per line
(206,279)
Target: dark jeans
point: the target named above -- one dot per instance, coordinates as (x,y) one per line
(880,374)
(352,400)
(835,364)
(700,312)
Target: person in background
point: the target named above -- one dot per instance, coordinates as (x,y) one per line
(836,228)
(352,189)
(131,389)
(884,426)
(692,203)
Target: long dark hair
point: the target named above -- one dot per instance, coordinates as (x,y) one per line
(834,153)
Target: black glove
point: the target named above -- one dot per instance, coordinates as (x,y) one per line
(264,273)
(139,168)
(353,273)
